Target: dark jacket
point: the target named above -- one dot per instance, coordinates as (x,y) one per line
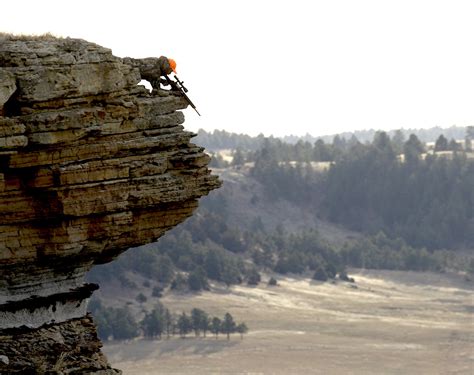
(152,68)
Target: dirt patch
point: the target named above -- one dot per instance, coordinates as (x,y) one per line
(389,322)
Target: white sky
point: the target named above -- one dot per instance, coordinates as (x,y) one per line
(288,67)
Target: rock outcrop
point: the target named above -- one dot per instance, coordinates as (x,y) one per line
(91,164)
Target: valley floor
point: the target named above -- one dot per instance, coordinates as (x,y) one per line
(386,323)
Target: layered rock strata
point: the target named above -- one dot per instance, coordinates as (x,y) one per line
(91,164)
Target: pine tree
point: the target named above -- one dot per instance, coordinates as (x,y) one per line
(197,317)
(153,324)
(238,157)
(242,328)
(123,324)
(184,325)
(228,325)
(216,326)
(398,140)
(441,143)
(168,323)
(412,149)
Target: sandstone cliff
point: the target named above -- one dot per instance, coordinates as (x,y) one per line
(91,164)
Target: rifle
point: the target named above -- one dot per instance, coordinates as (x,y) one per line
(178,86)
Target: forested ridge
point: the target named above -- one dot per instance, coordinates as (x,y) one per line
(395,187)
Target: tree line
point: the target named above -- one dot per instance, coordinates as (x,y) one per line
(120,324)
(221,139)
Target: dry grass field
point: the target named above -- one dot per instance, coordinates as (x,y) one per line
(386,323)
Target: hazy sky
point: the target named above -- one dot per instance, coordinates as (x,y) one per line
(288,67)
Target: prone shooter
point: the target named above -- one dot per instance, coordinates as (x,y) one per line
(153,69)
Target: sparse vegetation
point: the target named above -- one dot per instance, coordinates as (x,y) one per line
(22,37)
(299,323)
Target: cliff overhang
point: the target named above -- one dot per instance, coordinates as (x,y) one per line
(91,164)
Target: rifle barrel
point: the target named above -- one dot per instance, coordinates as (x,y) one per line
(183,90)
(181,83)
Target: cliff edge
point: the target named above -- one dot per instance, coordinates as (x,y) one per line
(91,164)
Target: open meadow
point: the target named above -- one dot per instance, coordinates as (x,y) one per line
(386,323)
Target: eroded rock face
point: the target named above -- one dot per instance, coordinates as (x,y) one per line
(70,347)
(90,165)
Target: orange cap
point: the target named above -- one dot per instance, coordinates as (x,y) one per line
(172,65)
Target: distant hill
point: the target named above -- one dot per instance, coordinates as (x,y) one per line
(221,139)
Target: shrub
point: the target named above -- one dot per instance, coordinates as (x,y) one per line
(253,277)
(141,298)
(179,282)
(272,282)
(157,292)
(344,277)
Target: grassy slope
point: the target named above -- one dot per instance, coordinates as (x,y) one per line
(239,188)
